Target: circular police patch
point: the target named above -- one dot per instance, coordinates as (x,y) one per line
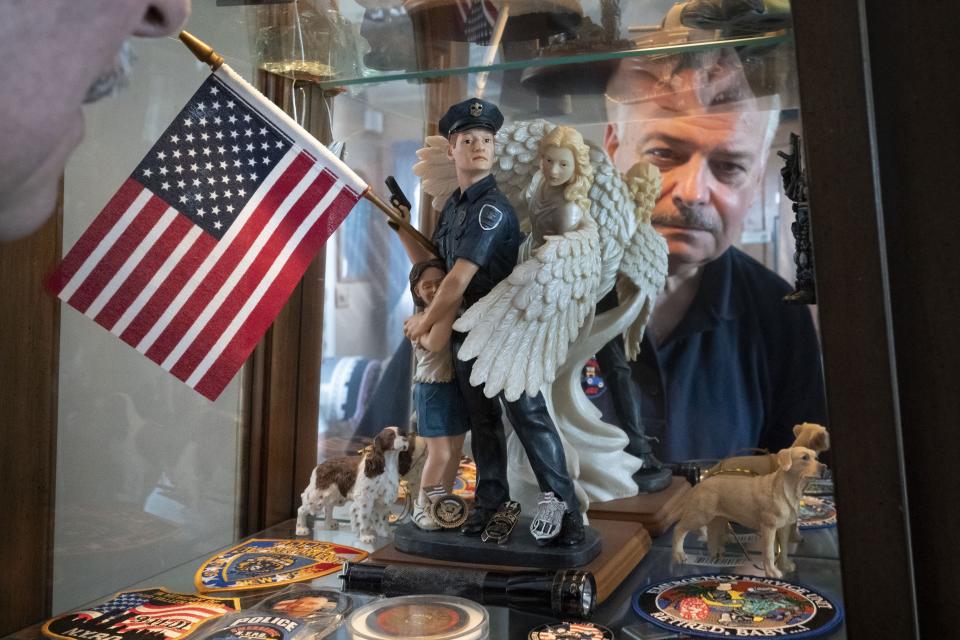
(721,606)
(817,512)
(490,217)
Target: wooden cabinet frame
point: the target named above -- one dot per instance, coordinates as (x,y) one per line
(879,108)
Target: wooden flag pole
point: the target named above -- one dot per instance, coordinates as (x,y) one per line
(401,222)
(207,55)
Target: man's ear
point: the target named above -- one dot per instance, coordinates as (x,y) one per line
(611,141)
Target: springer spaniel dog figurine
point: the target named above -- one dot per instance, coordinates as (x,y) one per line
(371,481)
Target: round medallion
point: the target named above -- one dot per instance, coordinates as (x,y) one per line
(723,606)
(449,511)
(420,618)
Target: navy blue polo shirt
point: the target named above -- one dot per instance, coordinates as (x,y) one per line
(479,225)
(739,371)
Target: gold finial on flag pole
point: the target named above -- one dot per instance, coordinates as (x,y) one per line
(202,50)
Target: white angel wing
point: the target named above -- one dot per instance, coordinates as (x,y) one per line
(520,331)
(615,212)
(436,171)
(518,159)
(643,268)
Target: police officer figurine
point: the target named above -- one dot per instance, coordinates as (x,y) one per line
(478,237)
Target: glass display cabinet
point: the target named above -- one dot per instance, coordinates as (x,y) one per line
(127,478)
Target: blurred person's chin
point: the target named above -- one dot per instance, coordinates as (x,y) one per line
(690,248)
(27,203)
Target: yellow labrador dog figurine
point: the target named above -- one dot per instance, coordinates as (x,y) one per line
(809,435)
(768,503)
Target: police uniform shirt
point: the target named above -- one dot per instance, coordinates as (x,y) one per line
(479,225)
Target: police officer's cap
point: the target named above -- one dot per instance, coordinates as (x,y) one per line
(471,114)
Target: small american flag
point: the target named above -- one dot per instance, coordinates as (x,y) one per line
(120,603)
(171,621)
(196,253)
(477,18)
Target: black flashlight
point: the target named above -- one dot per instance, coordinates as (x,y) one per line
(564,594)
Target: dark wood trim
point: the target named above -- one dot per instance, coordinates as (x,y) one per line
(916,100)
(29,353)
(283,383)
(859,363)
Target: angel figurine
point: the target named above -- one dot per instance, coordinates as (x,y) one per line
(557,196)
(478,237)
(535,329)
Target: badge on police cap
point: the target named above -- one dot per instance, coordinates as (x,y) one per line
(476,109)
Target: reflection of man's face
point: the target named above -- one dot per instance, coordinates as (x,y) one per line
(710,152)
(51,52)
(305,605)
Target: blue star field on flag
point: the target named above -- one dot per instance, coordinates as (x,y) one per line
(211,159)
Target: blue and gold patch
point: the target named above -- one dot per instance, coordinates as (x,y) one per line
(257,563)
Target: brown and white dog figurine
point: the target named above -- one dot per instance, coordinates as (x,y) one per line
(769,503)
(371,481)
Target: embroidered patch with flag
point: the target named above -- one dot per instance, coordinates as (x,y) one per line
(154,614)
(258,563)
(194,256)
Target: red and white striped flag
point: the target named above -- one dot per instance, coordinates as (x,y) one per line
(196,253)
(171,621)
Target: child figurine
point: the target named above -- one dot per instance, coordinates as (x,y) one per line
(558,192)
(441,420)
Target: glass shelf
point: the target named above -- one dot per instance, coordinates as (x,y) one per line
(372,76)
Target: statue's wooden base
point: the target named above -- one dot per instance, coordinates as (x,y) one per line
(623,546)
(655,511)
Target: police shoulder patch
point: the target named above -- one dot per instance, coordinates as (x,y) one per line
(490,217)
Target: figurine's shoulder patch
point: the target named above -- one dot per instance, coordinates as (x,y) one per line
(490,216)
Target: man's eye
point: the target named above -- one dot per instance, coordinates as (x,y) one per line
(661,155)
(726,169)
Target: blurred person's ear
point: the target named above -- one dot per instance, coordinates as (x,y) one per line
(611,141)
(163,17)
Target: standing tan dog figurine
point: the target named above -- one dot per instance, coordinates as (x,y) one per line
(769,503)
(371,481)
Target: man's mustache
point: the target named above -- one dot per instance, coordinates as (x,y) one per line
(687,218)
(116,78)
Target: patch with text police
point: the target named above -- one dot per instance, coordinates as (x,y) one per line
(147,614)
(734,606)
(257,626)
(257,563)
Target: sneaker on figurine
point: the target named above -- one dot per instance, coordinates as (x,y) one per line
(546,523)
(572,532)
(477,521)
(421,509)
